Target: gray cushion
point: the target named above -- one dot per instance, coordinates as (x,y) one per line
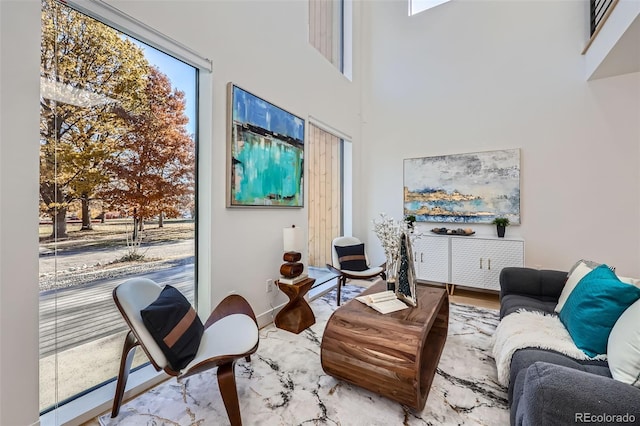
(532,282)
(558,395)
(523,358)
(512,302)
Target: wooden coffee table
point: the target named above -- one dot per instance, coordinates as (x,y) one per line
(394,355)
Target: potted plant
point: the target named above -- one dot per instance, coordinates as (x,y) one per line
(501,223)
(410,220)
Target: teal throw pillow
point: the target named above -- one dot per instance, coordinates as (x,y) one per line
(593,308)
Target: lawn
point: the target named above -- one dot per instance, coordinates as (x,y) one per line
(114,233)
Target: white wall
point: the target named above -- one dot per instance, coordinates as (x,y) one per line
(483,75)
(19,124)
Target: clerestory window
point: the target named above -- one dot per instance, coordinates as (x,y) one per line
(417,6)
(330,31)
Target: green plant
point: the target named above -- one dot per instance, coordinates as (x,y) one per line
(410,219)
(501,221)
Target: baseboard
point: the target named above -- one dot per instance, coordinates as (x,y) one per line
(266,318)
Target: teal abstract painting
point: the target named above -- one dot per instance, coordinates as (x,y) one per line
(266,153)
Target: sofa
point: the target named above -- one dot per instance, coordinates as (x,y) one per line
(547,387)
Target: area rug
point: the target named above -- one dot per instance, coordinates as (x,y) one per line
(284,383)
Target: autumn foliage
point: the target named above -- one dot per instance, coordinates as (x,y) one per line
(112,128)
(153,173)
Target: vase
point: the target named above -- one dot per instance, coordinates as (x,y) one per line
(392,273)
(500,229)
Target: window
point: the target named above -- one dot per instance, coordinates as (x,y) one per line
(417,6)
(330,31)
(329,199)
(118,157)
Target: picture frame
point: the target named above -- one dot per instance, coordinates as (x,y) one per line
(265,152)
(473,187)
(406,278)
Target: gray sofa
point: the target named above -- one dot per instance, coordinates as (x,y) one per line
(547,387)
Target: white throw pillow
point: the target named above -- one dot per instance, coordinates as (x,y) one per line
(573,279)
(623,347)
(632,281)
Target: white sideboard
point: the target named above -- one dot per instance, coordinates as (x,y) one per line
(470,261)
(431,258)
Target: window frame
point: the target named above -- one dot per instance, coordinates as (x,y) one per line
(96,400)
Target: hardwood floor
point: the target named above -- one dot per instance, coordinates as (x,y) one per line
(480,298)
(476,298)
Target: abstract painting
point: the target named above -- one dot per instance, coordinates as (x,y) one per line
(265,159)
(463,188)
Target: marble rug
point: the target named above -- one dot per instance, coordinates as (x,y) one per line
(284,383)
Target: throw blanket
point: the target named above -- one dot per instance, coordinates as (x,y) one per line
(524,329)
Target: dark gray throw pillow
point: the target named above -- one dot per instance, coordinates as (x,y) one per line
(352,258)
(175,326)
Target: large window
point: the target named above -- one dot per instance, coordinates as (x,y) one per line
(118,136)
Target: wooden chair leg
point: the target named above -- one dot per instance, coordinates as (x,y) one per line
(128,351)
(227,384)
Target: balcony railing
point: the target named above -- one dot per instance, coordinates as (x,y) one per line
(599,12)
(599,9)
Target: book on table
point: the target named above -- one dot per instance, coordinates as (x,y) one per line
(294,280)
(384,302)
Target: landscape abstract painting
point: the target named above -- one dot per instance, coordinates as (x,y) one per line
(265,153)
(464,188)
